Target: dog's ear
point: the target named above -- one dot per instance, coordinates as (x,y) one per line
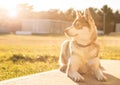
(78,14)
(91,22)
(89,17)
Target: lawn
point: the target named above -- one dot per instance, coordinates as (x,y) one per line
(24,55)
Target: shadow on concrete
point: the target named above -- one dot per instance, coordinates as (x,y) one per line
(91,80)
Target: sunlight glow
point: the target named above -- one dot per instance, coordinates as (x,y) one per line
(40,5)
(12,14)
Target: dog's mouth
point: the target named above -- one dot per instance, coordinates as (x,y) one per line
(70,35)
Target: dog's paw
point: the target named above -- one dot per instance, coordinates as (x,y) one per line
(76,76)
(63,68)
(100,76)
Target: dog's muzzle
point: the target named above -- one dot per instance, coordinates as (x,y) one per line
(68,31)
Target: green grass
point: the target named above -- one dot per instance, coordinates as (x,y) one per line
(24,55)
(110,52)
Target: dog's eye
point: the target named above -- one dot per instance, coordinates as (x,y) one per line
(77,25)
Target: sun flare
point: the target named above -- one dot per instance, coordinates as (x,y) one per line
(44,5)
(12,13)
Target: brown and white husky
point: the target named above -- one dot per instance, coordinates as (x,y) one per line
(80,53)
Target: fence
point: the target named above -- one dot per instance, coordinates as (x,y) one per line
(44,26)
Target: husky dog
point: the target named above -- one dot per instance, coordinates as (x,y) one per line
(80,53)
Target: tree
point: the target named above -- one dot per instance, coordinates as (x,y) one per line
(25,10)
(108,19)
(70,14)
(117,17)
(3,16)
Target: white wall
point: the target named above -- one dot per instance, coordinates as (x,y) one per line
(117,27)
(44,25)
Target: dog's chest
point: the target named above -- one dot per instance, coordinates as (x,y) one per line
(85,52)
(84,57)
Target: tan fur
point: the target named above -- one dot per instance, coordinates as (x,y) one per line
(80,54)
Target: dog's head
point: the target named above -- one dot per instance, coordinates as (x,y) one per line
(83,29)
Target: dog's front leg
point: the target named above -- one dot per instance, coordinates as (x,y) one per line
(95,66)
(100,76)
(72,71)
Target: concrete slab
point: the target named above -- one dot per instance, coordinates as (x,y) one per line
(55,77)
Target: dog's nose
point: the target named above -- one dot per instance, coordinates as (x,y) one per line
(66,29)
